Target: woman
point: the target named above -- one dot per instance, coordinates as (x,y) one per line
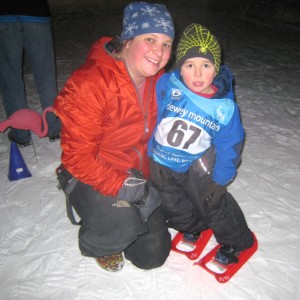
(108,112)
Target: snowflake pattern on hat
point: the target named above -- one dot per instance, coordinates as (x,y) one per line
(142,17)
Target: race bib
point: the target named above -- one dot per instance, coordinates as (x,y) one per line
(182,135)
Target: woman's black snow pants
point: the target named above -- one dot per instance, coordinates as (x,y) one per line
(110,226)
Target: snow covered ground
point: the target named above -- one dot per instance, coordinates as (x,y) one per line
(39,256)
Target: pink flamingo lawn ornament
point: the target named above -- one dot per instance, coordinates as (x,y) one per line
(28,119)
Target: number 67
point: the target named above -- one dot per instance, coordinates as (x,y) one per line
(179,130)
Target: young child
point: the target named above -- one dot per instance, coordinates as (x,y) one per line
(196,145)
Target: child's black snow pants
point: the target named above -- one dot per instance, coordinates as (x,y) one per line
(186,210)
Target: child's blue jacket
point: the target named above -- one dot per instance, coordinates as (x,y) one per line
(189,124)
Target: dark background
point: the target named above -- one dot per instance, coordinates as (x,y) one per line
(276,10)
(85,21)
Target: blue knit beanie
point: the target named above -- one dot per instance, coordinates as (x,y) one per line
(142,17)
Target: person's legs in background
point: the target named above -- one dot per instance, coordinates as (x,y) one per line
(39,51)
(11,74)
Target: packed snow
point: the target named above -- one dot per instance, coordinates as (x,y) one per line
(39,255)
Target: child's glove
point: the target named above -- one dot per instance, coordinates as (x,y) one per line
(213,194)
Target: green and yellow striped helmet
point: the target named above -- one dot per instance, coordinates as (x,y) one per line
(197,41)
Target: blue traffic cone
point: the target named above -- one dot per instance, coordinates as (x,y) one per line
(17,166)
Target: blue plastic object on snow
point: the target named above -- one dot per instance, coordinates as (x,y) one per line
(17,166)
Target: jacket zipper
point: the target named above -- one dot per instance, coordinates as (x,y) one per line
(146,127)
(144,113)
(140,99)
(140,156)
